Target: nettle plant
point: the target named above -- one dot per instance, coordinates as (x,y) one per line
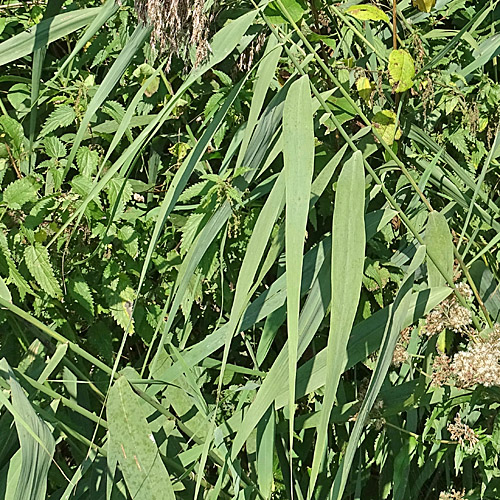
(248,250)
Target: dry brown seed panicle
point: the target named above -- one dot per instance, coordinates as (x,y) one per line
(176,24)
(441,370)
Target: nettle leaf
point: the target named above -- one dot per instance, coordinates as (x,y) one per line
(117,191)
(59,118)
(37,259)
(14,276)
(87,161)
(401,70)
(424,5)
(54,147)
(120,300)
(79,290)
(20,192)
(367,12)
(130,239)
(385,124)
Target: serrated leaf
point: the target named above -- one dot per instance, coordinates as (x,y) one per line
(15,276)
(20,192)
(367,12)
(401,70)
(118,191)
(37,259)
(120,301)
(130,239)
(424,5)
(87,161)
(385,124)
(60,117)
(79,290)
(54,147)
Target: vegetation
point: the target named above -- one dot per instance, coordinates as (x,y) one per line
(248,250)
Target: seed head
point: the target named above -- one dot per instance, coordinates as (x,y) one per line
(177,24)
(462,433)
(478,364)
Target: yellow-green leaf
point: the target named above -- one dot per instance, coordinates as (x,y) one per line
(401,70)
(365,88)
(367,13)
(384,122)
(424,5)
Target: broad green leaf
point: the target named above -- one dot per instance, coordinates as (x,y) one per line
(401,70)
(367,12)
(45,32)
(37,259)
(298,153)
(365,88)
(20,192)
(439,242)
(131,441)
(348,255)
(294,8)
(385,124)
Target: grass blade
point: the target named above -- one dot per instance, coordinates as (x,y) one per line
(348,251)
(298,152)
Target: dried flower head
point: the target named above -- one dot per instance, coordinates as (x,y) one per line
(478,364)
(452,495)
(449,314)
(400,354)
(177,24)
(462,433)
(441,370)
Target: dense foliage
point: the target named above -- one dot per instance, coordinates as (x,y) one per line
(249,250)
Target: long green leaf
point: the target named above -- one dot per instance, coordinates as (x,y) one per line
(348,252)
(298,152)
(47,31)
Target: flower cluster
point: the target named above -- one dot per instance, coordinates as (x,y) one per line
(400,354)
(452,495)
(441,370)
(450,314)
(478,364)
(462,433)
